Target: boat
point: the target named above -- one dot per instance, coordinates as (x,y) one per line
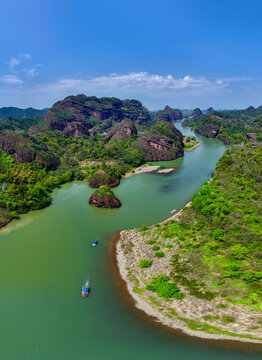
(85,290)
(94,243)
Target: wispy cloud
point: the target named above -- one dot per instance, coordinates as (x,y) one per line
(15,61)
(32,72)
(136,83)
(12,63)
(153,89)
(11,80)
(233,80)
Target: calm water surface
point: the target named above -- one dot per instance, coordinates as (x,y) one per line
(46,256)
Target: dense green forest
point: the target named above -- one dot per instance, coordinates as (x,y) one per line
(217,241)
(16,124)
(29,185)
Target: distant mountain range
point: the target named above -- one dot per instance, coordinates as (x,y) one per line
(16,112)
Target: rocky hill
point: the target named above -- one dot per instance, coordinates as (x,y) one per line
(27,150)
(196,113)
(76,115)
(100,178)
(168,114)
(163,142)
(231,126)
(121,131)
(104,198)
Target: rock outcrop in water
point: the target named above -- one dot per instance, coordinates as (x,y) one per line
(104,198)
(162,142)
(76,115)
(101,178)
(168,114)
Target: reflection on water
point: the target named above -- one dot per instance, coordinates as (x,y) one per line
(167,187)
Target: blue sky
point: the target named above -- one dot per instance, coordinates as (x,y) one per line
(183,53)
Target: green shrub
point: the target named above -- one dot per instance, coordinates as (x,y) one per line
(159,254)
(151,241)
(212,245)
(168,290)
(211,317)
(163,288)
(238,251)
(228,319)
(218,234)
(251,275)
(156,247)
(150,287)
(138,290)
(144,227)
(144,263)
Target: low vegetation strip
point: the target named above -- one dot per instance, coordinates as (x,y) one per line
(209,275)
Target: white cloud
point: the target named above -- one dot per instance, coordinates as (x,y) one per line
(15,61)
(31,72)
(25,56)
(136,83)
(153,90)
(11,79)
(233,80)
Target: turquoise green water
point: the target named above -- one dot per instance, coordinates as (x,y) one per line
(46,256)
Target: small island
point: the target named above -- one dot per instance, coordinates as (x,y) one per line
(104,198)
(190,143)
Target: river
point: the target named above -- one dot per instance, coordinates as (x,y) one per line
(46,256)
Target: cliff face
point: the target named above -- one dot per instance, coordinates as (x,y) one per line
(76,115)
(101,178)
(196,113)
(104,198)
(163,142)
(168,115)
(22,149)
(208,130)
(122,131)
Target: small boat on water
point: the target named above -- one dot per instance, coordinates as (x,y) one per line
(85,290)
(95,242)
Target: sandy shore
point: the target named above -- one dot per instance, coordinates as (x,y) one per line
(129,251)
(150,168)
(166,170)
(143,169)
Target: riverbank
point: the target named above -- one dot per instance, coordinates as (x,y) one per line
(194,316)
(196,145)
